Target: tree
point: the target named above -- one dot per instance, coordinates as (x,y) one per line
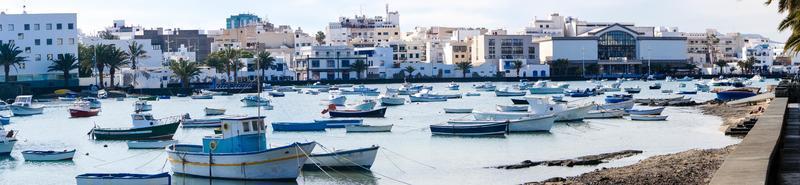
(107,35)
(320,37)
(517,66)
(64,63)
(721,64)
(86,58)
(791,22)
(184,70)
(135,52)
(233,65)
(113,58)
(359,66)
(746,65)
(560,66)
(711,42)
(216,61)
(265,61)
(101,53)
(410,70)
(10,57)
(464,66)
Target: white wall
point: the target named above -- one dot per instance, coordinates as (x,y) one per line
(662,49)
(568,49)
(33,69)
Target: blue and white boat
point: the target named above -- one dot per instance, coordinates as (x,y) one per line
(123,179)
(276,94)
(33,155)
(164,97)
(507,92)
(646,111)
(702,87)
(453,86)
(239,152)
(339,123)
(687,91)
(7,140)
(738,93)
(616,98)
(299,126)
(685,79)
(337,100)
(255,101)
(581,93)
(94,103)
(355,159)
(486,86)
(23,106)
(470,129)
(633,90)
(542,87)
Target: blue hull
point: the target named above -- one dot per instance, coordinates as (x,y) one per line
(339,123)
(616,100)
(377,113)
(469,129)
(5,120)
(310,126)
(733,95)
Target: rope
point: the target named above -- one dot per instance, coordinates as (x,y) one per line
(314,162)
(412,160)
(362,167)
(148,162)
(391,161)
(126,158)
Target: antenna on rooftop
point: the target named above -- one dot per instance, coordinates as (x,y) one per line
(23,9)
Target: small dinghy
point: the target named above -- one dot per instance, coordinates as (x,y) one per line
(124,179)
(469,129)
(472,94)
(655,86)
(213,111)
(369,128)
(33,155)
(82,109)
(512,108)
(375,113)
(453,86)
(507,92)
(276,94)
(536,123)
(356,159)
(339,123)
(142,106)
(457,110)
(202,97)
(633,90)
(151,144)
(299,126)
(648,111)
(687,91)
(648,117)
(604,114)
(188,122)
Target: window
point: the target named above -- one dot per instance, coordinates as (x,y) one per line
(71,41)
(10,27)
(331,63)
(261,125)
(27,27)
(315,63)
(27,49)
(616,44)
(38,57)
(60,41)
(48,26)
(20,36)
(35,26)
(49,42)
(49,56)
(70,26)
(58,26)
(345,63)
(246,126)
(37,42)
(255,125)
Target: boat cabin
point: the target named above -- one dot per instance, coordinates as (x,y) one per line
(24,100)
(143,120)
(239,134)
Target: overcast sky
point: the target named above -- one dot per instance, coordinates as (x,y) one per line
(746,16)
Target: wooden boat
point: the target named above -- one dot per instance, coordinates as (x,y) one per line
(757,98)
(457,110)
(737,93)
(213,111)
(656,100)
(616,98)
(539,123)
(339,123)
(82,109)
(67,98)
(486,86)
(150,144)
(239,152)
(102,94)
(648,117)
(145,127)
(581,93)
(469,129)
(512,108)
(299,126)
(426,96)
(337,100)
(123,179)
(541,106)
(7,140)
(23,106)
(255,101)
(605,114)
(375,113)
(453,86)
(94,103)
(650,111)
(368,128)
(33,155)
(356,159)
(142,106)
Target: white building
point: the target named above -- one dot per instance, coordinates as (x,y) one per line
(42,38)
(362,31)
(503,51)
(379,60)
(154,57)
(326,63)
(183,53)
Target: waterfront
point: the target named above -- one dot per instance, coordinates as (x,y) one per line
(452,160)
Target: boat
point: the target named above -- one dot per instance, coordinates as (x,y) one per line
(667,91)
(202,97)
(486,86)
(188,122)
(687,91)
(737,93)
(82,109)
(633,90)
(240,152)
(94,103)
(213,111)
(613,87)
(123,179)
(669,79)
(757,78)
(102,94)
(214,93)
(299,126)
(648,117)
(391,99)
(453,86)
(34,155)
(543,87)
(616,98)
(542,123)
(67,98)
(151,144)
(580,93)
(145,127)
(655,86)
(312,92)
(426,96)
(142,106)
(619,105)
(368,128)
(457,110)
(317,85)
(472,94)
(339,123)
(255,101)
(512,108)
(684,79)
(605,114)
(5,120)
(3,105)
(7,141)
(507,92)
(493,128)
(337,100)
(375,113)
(702,87)
(757,98)
(720,82)
(23,106)
(285,89)
(647,111)
(276,94)
(519,101)
(164,97)
(541,106)
(148,98)
(656,100)
(356,159)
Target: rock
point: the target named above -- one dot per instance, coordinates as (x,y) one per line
(555,179)
(580,161)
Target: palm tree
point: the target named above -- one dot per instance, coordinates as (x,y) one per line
(560,65)
(721,64)
(85,56)
(232,56)
(114,58)
(216,61)
(791,22)
(101,53)
(265,60)
(410,70)
(135,52)
(184,70)
(64,63)
(711,42)
(320,37)
(517,66)
(464,66)
(9,57)
(750,62)
(359,66)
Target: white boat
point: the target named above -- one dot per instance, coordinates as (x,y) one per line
(255,101)
(3,105)
(646,111)
(633,90)
(123,179)
(604,114)
(656,100)
(312,92)
(356,159)
(66,99)
(524,124)
(542,87)
(337,100)
(619,105)
(213,111)
(512,108)
(540,106)
(702,87)
(142,106)
(648,117)
(102,94)
(391,99)
(364,105)
(757,78)
(666,91)
(472,94)
(212,93)
(457,110)
(368,128)
(453,86)
(150,144)
(7,141)
(486,86)
(23,106)
(507,92)
(426,96)
(202,96)
(32,155)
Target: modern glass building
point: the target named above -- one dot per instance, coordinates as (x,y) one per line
(241,20)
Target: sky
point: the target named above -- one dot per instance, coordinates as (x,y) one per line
(745,16)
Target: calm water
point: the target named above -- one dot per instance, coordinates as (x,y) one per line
(411,154)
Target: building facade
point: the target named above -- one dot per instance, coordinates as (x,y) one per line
(363,31)
(326,62)
(241,20)
(171,40)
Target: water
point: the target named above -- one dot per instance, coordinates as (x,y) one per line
(411,154)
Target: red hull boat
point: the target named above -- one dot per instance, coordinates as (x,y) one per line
(75,113)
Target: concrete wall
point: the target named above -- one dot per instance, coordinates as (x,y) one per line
(662,49)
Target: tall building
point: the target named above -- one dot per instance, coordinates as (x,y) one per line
(171,40)
(326,62)
(255,37)
(42,38)
(363,31)
(241,20)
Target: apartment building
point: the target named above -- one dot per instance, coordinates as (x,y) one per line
(326,62)
(42,38)
(363,31)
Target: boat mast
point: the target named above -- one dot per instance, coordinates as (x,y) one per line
(258,86)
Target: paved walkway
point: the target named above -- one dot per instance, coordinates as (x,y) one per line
(790,152)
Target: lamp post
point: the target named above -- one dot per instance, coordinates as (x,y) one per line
(649,57)
(583,63)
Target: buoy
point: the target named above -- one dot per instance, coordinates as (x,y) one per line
(105,146)
(87,153)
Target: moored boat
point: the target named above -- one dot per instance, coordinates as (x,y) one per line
(145,127)
(453,86)
(337,100)
(7,140)
(81,109)
(737,93)
(339,123)
(619,105)
(391,99)
(605,114)
(616,98)
(519,101)
(512,108)
(687,91)
(648,117)
(633,90)
(255,101)
(486,86)
(542,87)
(202,96)
(469,129)
(5,120)
(142,106)
(34,155)
(525,124)
(369,128)
(355,159)
(655,86)
(276,94)
(188,122)
(645,111)
(150,144)
(457,110)
(375,113)
(23,106)
(507,92)
(299,126)
(123,179)
(213,111)
(148,98)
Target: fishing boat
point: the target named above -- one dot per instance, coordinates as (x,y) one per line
(94,103)
(255,101)
(512,108)
(102,94)
(151,144)
(213,111)
(426,96)
(666,91)
(82,109)
(656,99)
(148,98)
(737,93)
(493,128)
(312,92)
(214,93)
(472,94)
(188,122)
(720,82)
(457,110)
(702,87)
(337,100)
(628,104)
(5,120)
(375,113)
(580,93)
(757,78)
(616,98)
(239,152)
(34,155)
(299,126)
(355,159)
(613,87)
(391,99)
(687,91)
(3,105)
(339,123)
(142,106)
(519,101)
(655,86)
(633,90)
(145,127)
(123,179)
(648,117)
(646,111)
(540,123)
(507,92)
(7,141)
(202,96)
(68,98)
(276,94)
(605,114)
(23,106)
(541,106)
(453,86)
(369,128)
(543,87)
(317,85)
(685,79)
(486,86)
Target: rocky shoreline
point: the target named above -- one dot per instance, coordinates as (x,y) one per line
(580,161)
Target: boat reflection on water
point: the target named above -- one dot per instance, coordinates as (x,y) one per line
(308,177)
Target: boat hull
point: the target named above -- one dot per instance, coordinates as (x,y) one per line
(339,123)
(648,117)
(201,123)
(281,163)
(427,99)
(546,90)
(7,146)
(519,101)
(123,179)
(512,108)
(654,111)
(457,111)
(25,111)
(310,126)
(75,113)
(377,113)
(509,93)
(358,159)
(368,128)
(734,95)
(392,101)
(48,155)
(469,129)
(214,112)
(611,106)
(604,114)
(157,144)
(165,131)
